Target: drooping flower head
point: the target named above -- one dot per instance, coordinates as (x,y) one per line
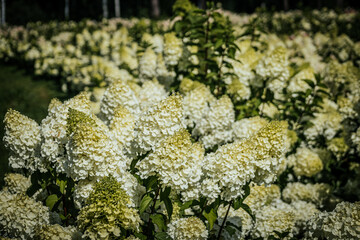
(106,214)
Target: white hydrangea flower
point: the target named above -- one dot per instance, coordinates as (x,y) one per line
(151,93)
(191,228)
(20,214)
(16,183)
(82,191)
(56,232)
(261,195)
(342,223)
(116,74)
(107,210)
(297,83)
(172,48)
(91,152)
(238,90)
(233,165)
(243,69)
(303,212)
(156,41)
(305,162)
(53,129)
(346,106)
(196,104)
(271,218)
(160,121)
(162,71)
(147,65)
(215,127)
(274,65)
(316,193)
(269,109)
(269,145)
(338,147)
(122,126)
(246,127)
(177,162)
(324,124)
(118,94)
(22,137)
(128,56)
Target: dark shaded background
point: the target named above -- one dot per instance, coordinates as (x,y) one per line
(23,11)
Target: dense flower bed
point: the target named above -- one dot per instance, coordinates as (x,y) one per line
(202,127)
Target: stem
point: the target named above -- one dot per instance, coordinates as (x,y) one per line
(202,208)
(65,210)
(223,223)
(156,196)
(149,230)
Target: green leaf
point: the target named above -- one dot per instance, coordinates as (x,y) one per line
(322,85)
(186,205)
(33,189)
(237,204)
(162,236)
(51,200)
(207,45)
(211,217)
(158,219)
(230,230)
(218,43)
(149,182)
(62,185)
(169,206)
(62,217)
(140,236)
(309,82)
(232,52)
(145,202)
(248,210)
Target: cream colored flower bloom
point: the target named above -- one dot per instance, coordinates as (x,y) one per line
(191,228)
(22,137)
(315,193)
(342,223)
(16,183)
(177,162)
(160,121)
(20,215)
(56,232)
(172,48)
(305,162)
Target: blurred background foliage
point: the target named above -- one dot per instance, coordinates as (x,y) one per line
(26,93)
(22,11)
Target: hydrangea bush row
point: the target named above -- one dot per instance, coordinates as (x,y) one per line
(202,127)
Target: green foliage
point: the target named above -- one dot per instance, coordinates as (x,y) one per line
(60,193)
(211,34)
